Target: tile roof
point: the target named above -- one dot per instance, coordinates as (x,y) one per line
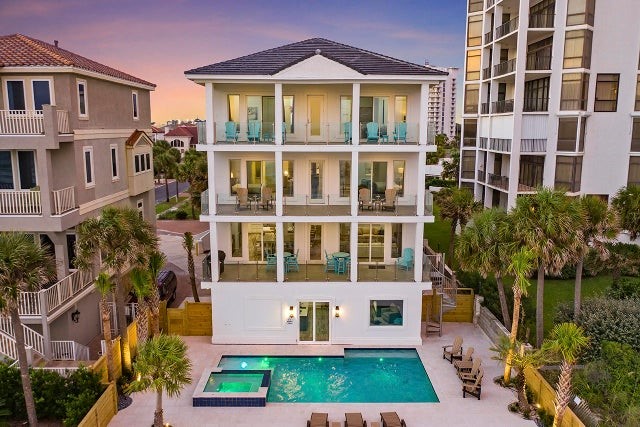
(272,61)
(17,50)
(135,137)
(156,130)
(191,131)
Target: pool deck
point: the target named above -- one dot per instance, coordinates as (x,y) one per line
(452,410)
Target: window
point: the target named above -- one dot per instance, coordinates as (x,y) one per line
(568,133)
(82,98)
(568,173)
(468,164)
(345,237)
(234,108)
(475,5)
(134,101)
(398,177)
(474,31)
(575,87)
(470,133)
(6,170)
(396,240)
(386,312)
(236,239)
(234,175)
(577,49)
(400,111)
(345,178)
(373,175)
(536,95)
(27,169)
(606,92)
(634,171)
(289,233)
(580,12)
(637,108)
(142,162)
(287,110)
(471,98)
(345,109)
(260,173)
(254,108)
(287,178)
(41,94)
(15,95)
(148,159)
(539,54)
(531,171)
(114,162)
(89,179)
(473,64)
(635,135)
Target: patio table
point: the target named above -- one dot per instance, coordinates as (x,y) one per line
(341,255)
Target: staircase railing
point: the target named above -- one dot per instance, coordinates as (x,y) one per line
(31,338)
(8,346)
(69,350)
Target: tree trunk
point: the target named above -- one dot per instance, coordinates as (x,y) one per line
(155,313)
(506,319)
(517,294)
(523,402)
(540,306)
(106,331)
(192,275)
(24,366)
(125,351)
(563,392)
(578,290)
(142,324)
(166,186)
(452,237)
(158,419)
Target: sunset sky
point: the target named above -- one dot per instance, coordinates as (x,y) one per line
(159,40)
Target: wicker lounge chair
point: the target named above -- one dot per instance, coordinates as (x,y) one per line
(453,351)
(466,360)
(470,375)
(474,388)
(391,419)
(318,420)
(354,419)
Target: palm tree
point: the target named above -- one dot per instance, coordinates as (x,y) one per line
(193,169)
(521,265)
(547,222)
(187,244)
(599,224)
(483,246)
(105,288)
(122,239)
(156,261)
(627,205)
(522,359)
(567,341)
(162,366)
(458,205)
(141,286)
(165,160)
(24,266)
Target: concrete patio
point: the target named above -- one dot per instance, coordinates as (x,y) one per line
(452,410)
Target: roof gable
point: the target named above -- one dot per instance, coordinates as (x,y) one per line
(273,61)
(317,67)
(137,137)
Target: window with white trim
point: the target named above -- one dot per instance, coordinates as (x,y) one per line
(83,111)
(89,178)
(115,175)
(142,162)
(134,102)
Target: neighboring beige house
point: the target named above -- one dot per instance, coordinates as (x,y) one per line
(182,137)
(73,140)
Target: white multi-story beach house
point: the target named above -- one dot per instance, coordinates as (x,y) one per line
(317,155)
(552,97)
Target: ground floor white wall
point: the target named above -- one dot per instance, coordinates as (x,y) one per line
(88,326)
(259,313)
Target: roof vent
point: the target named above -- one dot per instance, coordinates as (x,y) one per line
(55,42)
(318,51)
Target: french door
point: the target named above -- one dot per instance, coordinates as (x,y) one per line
(370,242)
(316,176)
(314,321)
(315,112)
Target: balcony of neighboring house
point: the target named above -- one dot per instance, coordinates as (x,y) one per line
(502,106)
(541,21)
(532,105)
(498,181)
(509,27)
(484,108)
(539,60)
(486,73)
(34,122)
(484,143)
(533,146)
(482,176)
(500,144)
(505,67)
(488,37)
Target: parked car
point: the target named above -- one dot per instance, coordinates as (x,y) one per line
(167,285)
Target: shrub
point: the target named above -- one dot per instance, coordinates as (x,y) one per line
(180,214)
(624,288)
(77,407)
(439,182)
(48,388)
(11,390)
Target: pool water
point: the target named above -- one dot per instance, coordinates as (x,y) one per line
(233,383)
(359,376)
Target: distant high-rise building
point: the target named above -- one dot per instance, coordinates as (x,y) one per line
(442,102)
(551,98)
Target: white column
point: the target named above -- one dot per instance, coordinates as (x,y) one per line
(353,240)
(210,126)
(279,252)
(355,114)
(422,167)
(424,112)
(418,254)
(353,192)
(278,114)
(279,190)
(213,244)
(211,170)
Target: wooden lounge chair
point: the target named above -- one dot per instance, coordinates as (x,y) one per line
(242,199)
(470,375)
(474,388)
(391,419)
(453,351)
(364,199)
(464,366)
(318,419)
(389,201)
(266,198)
(466,357)
(354,419)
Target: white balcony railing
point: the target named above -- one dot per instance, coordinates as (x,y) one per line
(32,338)
(30,303)
(64,200)
(69,350)
(63,122)
(20,202)
(21,122)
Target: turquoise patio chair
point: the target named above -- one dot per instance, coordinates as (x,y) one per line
(330,262)
(342,265)
(272,262)
(231,132)
(400,133)
(346,126)
(372,132)
(406,260)
(292,262)
(253,131)
(384,136)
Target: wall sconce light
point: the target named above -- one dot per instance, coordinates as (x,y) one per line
(337,311)
(75,316)
(291,312)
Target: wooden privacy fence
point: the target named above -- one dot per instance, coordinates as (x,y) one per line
(105,408)
(545,394)
(462,312)
(193,319)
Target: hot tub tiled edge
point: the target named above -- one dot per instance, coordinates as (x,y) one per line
(203,398)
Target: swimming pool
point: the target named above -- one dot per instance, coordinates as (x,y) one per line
(362,375)
(233,383)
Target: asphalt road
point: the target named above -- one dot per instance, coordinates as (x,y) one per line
(161,192)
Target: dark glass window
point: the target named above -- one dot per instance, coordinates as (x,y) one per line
(635,135)
(114,162)
(134,99)
(536,95)
(15,95)
(580,12)
(41,94)
(6,171)
(606,92)
(568,173)
(574,93)
(82,98)
(531,171)
(577,49)
(27,168)
(634,171)
(87,166)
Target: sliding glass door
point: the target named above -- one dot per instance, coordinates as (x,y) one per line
(370,242)
(314,321)
(262,240)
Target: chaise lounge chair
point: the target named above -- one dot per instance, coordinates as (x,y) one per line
(453,351)
(354,419)
(391,419)
(318,419)
(474,388)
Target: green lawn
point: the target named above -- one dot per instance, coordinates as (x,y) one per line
(161,207)
(438,232)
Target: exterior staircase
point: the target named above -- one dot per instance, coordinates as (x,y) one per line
(444,286)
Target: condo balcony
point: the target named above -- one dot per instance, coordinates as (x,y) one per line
(503,106)
(507,28)
(500,144)
(535,105)
(498,181)
(33,122)
(539,61)
(504,67)
(533,146)
(541,20)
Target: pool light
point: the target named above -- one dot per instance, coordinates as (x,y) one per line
(243,365)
